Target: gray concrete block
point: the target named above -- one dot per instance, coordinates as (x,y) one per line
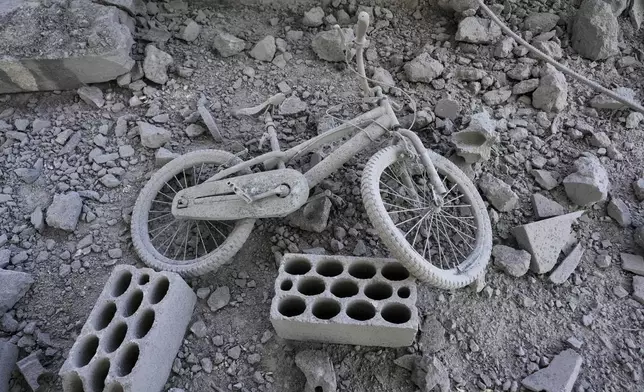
(132,335)
(32,370)
(8,358)
(345,300)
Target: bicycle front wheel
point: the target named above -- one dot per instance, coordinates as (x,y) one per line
(444,240)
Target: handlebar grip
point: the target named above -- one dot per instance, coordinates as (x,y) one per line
(363,24)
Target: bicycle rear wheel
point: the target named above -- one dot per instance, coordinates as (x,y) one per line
(446,244)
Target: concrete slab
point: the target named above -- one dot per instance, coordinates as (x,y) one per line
(568,265)
(546,208)
(559,376)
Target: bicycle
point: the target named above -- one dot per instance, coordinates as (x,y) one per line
(196,212)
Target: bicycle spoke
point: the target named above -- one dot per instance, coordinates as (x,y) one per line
(169,186)
(185,247)
(215,227)
(171,240)
(159,233)
(201,238)
(450,216)
(458,232)
(159,217)
(396,194)
(212,235)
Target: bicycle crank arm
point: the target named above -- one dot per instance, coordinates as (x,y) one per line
(269,194)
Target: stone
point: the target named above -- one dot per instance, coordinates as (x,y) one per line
(634,119)
(264,50)
(327,45)
(497,97)
(92,96)
(163,156)
(199,329)
(550,48)
(228,45)
(498,193)
(618,6)
(545,239)
(636,14)
(503,48)
(40,54)
(545,179)
(589,183)
(292,105)
(619,211)
(525,86)
(632,263)
(5,257)
(638,236)
(383,78)
(595,30)
(458,6)
(600,139)
(546,208)
(110,181)
(13,286)
(313,216)
(432,338)
(153,136)
(64,211)
(477,31)
(514,262)
(540,22)
(475,143)
(155,64)
(219,298)
(32,370)
(605,102)
(603,261)
(318,371)
(194,130)
(8,358)
(568,265)
(638,188)
(638,290)
(559,376)
(423,69)
(429,373)
(552,93)
(190,31)
(447,108)
(126,151)
(209,120)
(314,17)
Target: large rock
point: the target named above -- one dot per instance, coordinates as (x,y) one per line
(328,44)
(498,193)
(559,376)
(264,50)
(156,63)
(589,183)
(13,286)
(64,211)
(475,142)
(423,68)
(37,52)
(595,30)
(552,93)
(477,30)
(153,136)
(228,45)
(540,22)
(515,262)
(545,239)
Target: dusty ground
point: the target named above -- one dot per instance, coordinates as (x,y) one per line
(486,340)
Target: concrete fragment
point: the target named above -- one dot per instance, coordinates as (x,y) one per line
(546,208)
(207,119)
(514,262)
(504,47)
(8,358)
(318,370)
(602,101)
(5,257)
(458,6)
(552,93)
(632,263)
(638,291)
(345,300)
(638,236)
(550,48)
(292,105)
(92,96)
(64,211)
(432,338)
(447,108)
(429,373)
(314,17)
(313,216)
(228,45)
(383,78)
(190,31)
(595,30)
(32,370)
(155,64)
(264,50)
(423,68)
(110,181)
(327,45)
(618,6)
(194,130)
(540,22)
(525,86)
(475,142)
(545,179)
(589,183)
(477,30)
(13,286)
(634,119)
(498,193)
(219,298)
(619,211)
(153,136)
(567,266)
(559,376)
(545,239)
(497,97)
(132,334)
(636,14)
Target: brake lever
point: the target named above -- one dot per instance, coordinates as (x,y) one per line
(275,100)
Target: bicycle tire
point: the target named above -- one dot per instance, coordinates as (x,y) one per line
(394,239)
(139,224)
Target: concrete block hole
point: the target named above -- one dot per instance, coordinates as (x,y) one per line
(286,285)
(73,383)
(144,279)
(132,303)
(105,316)
(378,291)
(326,308)
(396,313)
(86,350)
(144,325)
(404,292)
(291,306)
(99,374)
(297,266)
(395,272)
(160,290)
(362,270)
(122,283)
(329,268)
(113,339)
(127,359)
(344,288)
(361,310)
(311,286)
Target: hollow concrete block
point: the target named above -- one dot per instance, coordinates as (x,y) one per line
(132,335)
(345,300)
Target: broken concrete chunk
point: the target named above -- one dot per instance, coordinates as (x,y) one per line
(589,183)
(153,136)
(429,373)
(514,262)
(638,293)
(559,376)
(32,370)
(219,298)
(619,211)
(155,64)
(314,216)
(595,30)
(13,286)
(552,93)
(383,78)
(568,265)
(64,211)
(498,193)
(545,179)
(447,108)
(475,142)
(540,22)
(8,358)
(477,30)
(328,44)
(190,31)
(638,188)
(546,208)
(264,50)
(228,45)
(194,130)
(632,263)
(318,370)
(292,106)
(423,68)
(314,17)
(92,96)
(497,97)
(207,119)
(634,119)
(545,239)
(602,101)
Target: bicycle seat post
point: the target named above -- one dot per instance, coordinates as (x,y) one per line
(275,144)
